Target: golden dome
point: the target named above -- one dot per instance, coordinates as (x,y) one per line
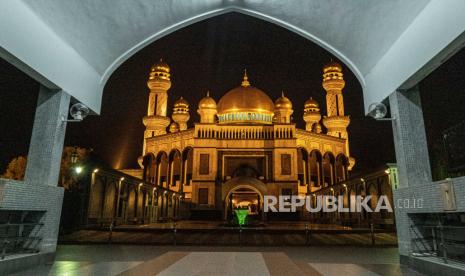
(245,104)
(181,102)
(283,102)
(207,102)
(160,70)
(181,106)
(311,105)
(161,66)
(332,66)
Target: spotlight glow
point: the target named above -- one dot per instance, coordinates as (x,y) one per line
(78,169)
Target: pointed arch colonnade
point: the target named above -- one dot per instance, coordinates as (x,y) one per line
(379,183)
(119,198)
(317,170)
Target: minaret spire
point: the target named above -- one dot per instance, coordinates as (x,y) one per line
(159,83)
(245,82)
(336,121)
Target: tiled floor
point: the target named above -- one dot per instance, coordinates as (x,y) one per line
(170,260)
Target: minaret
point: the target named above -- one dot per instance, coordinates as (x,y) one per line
(207,110)
(335,121)
(181,113)
(156,120)
(283,110)
(312,115)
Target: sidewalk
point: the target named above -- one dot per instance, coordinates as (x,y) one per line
(204,260)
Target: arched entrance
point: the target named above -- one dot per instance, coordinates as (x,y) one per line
(244,192)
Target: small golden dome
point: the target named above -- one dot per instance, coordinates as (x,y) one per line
(161,66)
(311,103)
(332,66)
(160,70)
(181,102)
(207,102)
(283,102)
(174,127)
(181,106)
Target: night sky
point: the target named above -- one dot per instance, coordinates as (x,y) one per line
(209,55)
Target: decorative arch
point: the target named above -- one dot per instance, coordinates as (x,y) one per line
(302,166)
(246,183)
(341,167)
(175,167)
(316,168)
(220,11)
(187,161)
(328,169)
(162,168)
(148,163)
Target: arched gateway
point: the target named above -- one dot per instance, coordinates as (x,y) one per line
(244,192)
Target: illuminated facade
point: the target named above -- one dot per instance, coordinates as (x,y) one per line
(245,146)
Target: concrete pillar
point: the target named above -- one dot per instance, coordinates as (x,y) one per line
(412,157)
(410,138)
(48,134)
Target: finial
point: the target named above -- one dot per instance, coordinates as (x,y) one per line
(282,93)
(161,59)
(245,82)
(208,93)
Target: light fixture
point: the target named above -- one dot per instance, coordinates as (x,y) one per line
(121,179)
(96,171)
(387,171)
(78,169)
(378,112)
(74,156)
(78,111)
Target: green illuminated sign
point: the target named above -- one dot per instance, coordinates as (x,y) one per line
(241,215)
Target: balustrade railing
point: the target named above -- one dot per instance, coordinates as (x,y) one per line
(245,132)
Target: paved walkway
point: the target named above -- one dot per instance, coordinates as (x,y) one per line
(197,260)
(201,225)
(227,238)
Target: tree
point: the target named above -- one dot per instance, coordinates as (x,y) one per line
(16,168)
(68,178)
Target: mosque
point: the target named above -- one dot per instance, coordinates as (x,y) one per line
(245,146)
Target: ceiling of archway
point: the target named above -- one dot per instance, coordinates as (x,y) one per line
(76,45)
(103,31)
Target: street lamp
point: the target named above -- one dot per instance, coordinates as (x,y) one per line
(74,156)
(78,169)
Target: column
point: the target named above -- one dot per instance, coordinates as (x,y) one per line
(411,154)
(43,166)
(48,135)
(410,138)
